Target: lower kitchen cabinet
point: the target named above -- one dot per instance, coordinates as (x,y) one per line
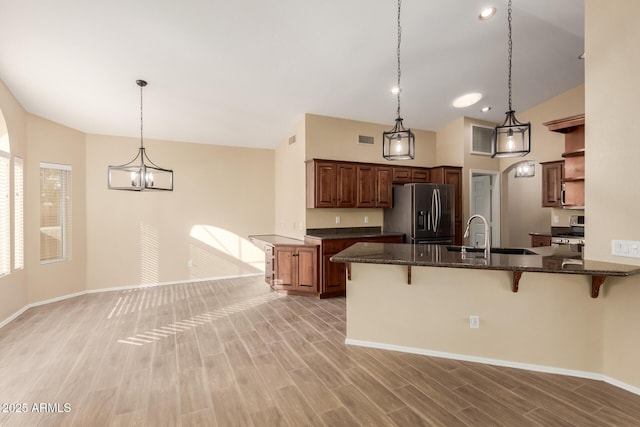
(333,275)
(295,268)
(540,240)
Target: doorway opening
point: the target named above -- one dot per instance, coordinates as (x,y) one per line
(484,199)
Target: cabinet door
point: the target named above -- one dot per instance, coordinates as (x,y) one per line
(401,175)
(366,180)
(285,271)
(552,174)
(325,184)
(384,191)
(345,185)
(335,279)
(420,175)
(307,269)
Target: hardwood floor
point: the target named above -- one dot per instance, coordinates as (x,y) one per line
(233,353)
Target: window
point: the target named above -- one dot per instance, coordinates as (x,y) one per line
(5,224)
(18,213)
(55,212)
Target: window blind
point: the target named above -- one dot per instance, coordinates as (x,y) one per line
(55,212)
(5,224)
(18,213)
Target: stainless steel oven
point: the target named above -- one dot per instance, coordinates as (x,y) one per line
(573,236)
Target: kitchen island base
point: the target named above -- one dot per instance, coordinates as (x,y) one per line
(551,325)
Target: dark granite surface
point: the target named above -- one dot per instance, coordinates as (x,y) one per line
(348,233)
(547,259)
(541,233)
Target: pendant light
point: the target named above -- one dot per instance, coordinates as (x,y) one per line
(141,173)
(512,138)
(398,143)
(525,169)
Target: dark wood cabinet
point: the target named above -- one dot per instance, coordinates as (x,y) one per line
(552,175)
(296,268)
(366,187)
(332,275)
(408,174)
(451,175)
(539,240)
(383,187)
(572,181)
(331,184)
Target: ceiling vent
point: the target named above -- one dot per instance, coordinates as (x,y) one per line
(292,139)
(481,137)
(363,139)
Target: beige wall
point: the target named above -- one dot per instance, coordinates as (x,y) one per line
(53,143)
(13,287)
(337,139)
(612,153)
(611,140)
(221,195)
(290,182)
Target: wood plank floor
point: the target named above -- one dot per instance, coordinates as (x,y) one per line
(233,353)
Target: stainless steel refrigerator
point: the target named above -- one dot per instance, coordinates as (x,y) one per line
(423,212)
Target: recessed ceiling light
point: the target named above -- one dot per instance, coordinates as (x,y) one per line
(487,13)
(485,109)
(467,100)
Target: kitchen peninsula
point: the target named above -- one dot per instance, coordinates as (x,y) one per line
(552,323)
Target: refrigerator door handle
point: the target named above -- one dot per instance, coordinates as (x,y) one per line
(434,213)
(436,208)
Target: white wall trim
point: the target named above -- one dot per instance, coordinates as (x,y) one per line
(497,362)
(119,288)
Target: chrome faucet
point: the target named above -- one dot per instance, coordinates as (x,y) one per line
(487,234)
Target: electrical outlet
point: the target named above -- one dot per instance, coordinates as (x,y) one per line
(474,322)
(366,220)
(556,219)
(337,219)
(190,263)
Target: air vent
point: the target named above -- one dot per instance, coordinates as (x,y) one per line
(481,137)
(292,139)
(363,139)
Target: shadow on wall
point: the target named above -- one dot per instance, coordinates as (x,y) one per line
(215,252)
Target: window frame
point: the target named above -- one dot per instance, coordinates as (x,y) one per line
(65,215)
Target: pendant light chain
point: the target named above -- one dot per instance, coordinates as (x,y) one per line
(141,121)
(398,54)
(510,51)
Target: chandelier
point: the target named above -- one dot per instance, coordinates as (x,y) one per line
(141,173)
(512,138)
(398,143)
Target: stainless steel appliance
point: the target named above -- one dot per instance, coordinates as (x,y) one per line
(423,212)
(573,235)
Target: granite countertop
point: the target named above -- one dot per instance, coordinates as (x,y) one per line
(546,259)
(274,239)
(348,233)
(542,233)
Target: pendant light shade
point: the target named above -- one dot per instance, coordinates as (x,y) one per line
(525,169)
(512,138)
(398,143)
(141,173)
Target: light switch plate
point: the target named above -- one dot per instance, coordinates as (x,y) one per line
(625,248)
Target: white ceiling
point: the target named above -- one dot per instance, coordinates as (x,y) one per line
(243,72)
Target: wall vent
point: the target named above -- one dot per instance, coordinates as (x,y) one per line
(363,139)
(481,138)
(292,139)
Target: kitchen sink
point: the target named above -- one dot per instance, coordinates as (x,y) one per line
(506,251)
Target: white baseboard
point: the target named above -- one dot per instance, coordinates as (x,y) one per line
(497,362)
(119,288)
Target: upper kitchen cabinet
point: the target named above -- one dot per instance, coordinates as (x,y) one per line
(552,173)
(573,170)
(373,186)
(408,174)
(331,184)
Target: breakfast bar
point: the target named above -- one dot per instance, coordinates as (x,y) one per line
(462,305)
